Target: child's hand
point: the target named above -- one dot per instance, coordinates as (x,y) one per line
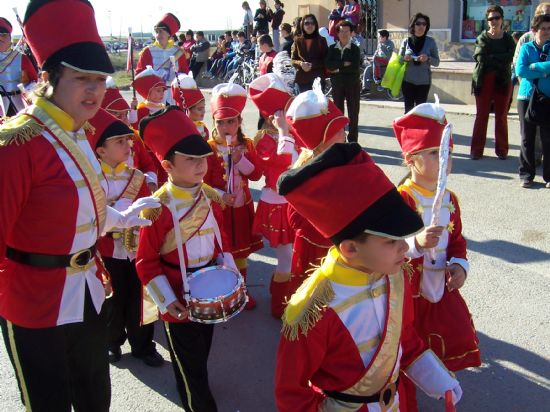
(457,277)
(229,199)
(237,154)
(429,237)
(177,310)
(134,103)
(279,121)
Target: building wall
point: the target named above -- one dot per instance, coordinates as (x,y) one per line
(396,14)
(320,8)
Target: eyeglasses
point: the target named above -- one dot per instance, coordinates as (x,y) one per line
(309,23)
(494,18)
(420,23)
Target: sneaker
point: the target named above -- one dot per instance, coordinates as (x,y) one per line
(154,359)
(115,354)
(476,157)
(526,183)
(502,157)
(380,88)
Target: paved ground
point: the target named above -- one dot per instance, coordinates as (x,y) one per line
(508,292)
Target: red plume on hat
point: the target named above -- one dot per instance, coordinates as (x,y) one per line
(269,94)
(171,131)
(5,26)
(343,193)
(106,126)
(170,23)
(421,128)
(64,32)
(314,118)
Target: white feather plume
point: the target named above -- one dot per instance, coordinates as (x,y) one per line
(321,98)
(110,83)
(282,67)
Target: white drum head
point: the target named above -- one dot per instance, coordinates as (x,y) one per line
(212,282)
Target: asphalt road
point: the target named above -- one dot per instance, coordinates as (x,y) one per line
(508,292)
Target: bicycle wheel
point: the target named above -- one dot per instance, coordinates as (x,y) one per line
(393,98)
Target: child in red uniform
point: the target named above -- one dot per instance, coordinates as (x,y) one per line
(276,152)
(125,184)
(442,317)
(182,151)
(347,331)
(233,164)
(317,124)
(149,85)
(193,101)
(115,104)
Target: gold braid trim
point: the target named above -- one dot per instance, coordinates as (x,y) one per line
(153,214)
(88,128)
(408,270)
(311,313)
(213,195)
(19,130)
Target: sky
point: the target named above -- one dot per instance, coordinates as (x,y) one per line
(115,16)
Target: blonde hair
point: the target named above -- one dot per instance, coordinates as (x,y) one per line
(540,8)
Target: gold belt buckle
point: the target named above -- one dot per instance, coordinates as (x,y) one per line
(74,262)
(388,391)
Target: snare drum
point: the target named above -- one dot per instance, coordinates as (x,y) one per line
(217,294)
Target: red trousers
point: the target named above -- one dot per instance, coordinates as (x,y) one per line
(491,92)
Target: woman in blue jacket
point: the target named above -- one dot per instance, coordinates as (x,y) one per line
(529,68)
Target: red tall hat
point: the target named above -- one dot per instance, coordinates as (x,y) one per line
(170,23)
(113,100)
(191,93)
(421,128)
(5,26)
(343,193)
(228,100)
(314,119)
(146,80)
(106,126)
(171,131)
(269,94)
(64,32)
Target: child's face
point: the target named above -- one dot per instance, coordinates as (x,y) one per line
(264,48)
(156,94)
(377,254)
(196,112)
(228,126)
(115,151)
(122,116)
(186,171)
(426,165)
(382,39)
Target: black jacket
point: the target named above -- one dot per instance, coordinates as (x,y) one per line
(340,75)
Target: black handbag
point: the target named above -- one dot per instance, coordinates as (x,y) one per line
(538,109)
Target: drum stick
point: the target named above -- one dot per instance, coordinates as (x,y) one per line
(449,406)
(229,140)
(179,247)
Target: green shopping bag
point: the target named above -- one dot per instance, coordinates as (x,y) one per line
(391,71)
(398,81)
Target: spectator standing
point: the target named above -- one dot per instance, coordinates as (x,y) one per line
(492,82)
(335,17)
(352,12)
(276,21)
(288,39)
(188,42)
(420,50)
(200,52)
(542,8)
(308,53)
(530,69)
(343,61)
(262,18)
(248,21)
(265,63)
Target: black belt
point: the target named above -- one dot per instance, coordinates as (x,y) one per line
(13,93)
(77,260)
(189,270)
(384,397)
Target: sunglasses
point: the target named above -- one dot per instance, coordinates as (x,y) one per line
(420,23)
(494,18)
(309,23)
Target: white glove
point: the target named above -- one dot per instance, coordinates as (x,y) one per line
(226,259)
(457,394)
(122,204)
(285,145)
(130,217)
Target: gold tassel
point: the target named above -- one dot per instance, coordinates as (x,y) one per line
(213,195)
(313,310)
(408,270)
(19,130)
(88,128)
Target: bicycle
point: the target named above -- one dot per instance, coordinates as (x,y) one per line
(245,72)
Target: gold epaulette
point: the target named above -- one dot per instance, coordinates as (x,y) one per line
(261,132)
(88,127)
(213,195)
(306,306)
(19,130)
(153,214)
(408,270)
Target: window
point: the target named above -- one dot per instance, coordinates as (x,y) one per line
(517,16)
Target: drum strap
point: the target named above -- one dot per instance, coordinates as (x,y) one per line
(179,246)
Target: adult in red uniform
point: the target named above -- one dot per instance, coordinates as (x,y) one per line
(53,209)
